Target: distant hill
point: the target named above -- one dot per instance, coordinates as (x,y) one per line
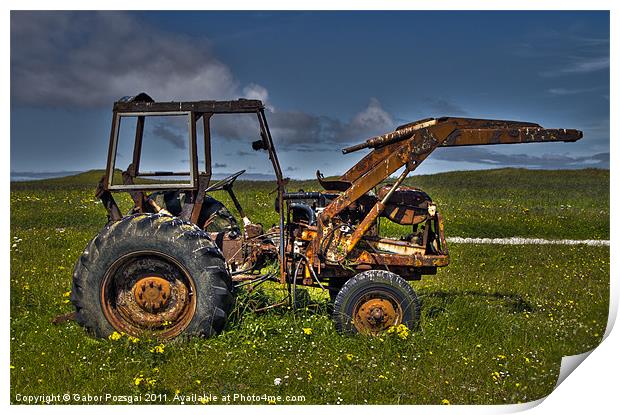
(455,179)
(90,178)
(20,176)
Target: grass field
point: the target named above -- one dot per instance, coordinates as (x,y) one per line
(495,323)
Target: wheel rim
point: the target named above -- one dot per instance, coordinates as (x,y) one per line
(375,312)
(148,293)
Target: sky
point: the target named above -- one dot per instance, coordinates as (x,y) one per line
(328,80)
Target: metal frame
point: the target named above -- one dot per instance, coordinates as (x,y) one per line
(143,106)
(193,173)
(409,146)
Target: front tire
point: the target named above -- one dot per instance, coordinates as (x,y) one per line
(373,301)
(152,274)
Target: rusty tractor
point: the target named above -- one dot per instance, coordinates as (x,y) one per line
(171,265)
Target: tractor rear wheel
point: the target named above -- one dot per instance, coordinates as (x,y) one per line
(151,274)
(373,301)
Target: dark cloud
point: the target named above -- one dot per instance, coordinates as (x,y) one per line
(90,59)
(303,131)
(219,165)
(291,168)
(545,161)
(171,135)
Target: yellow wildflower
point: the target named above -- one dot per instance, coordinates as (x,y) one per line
(115,336)
(445,402)
(401,331)
(160,348)
(349,356)
(307,331)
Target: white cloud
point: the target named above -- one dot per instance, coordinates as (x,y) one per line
(374,117)
(580,66)
(570,91)
(254,91)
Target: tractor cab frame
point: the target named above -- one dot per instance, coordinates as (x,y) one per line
(196,206)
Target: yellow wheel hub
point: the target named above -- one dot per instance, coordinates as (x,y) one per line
(376,315)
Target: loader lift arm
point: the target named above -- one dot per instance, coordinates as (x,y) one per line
(409,145)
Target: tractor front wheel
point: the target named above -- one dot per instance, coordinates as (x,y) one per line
(373,301)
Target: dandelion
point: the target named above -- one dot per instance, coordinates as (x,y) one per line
(115,336)
(349,356)
(445,402)
(277,381)
(138,380)
(198,381)
(401,331)
(307,331)
(177,392)
(67,294)
(133,339)
(309,375)
(159,349)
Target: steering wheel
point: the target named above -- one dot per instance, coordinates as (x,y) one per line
(225,182)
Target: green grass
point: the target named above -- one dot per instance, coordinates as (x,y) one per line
(495,323)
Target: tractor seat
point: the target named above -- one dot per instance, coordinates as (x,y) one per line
(332,185)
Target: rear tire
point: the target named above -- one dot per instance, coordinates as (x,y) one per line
(152,274)
(374,300)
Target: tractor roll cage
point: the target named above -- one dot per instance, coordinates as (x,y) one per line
(142,105)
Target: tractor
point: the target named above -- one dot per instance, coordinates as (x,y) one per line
(172,264)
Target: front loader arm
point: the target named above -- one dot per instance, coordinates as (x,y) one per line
(412,143)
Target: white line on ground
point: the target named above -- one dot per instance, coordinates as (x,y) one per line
(527,241)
